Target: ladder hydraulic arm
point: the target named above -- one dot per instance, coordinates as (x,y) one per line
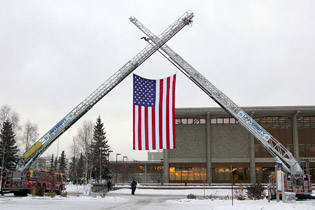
(277,150)
(65,123)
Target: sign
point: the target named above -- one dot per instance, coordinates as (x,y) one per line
(87,190)
(248,120)
(279,180)
(61,123)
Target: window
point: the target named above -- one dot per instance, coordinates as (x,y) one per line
(306,122)
(275,122)
(225,120)
(223,174)
(262,173)
(306,135)
(187,173)
(190,121)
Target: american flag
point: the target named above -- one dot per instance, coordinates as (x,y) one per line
(153,113)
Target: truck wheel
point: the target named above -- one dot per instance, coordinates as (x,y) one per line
(22,194)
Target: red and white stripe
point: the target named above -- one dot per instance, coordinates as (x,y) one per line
(154,127)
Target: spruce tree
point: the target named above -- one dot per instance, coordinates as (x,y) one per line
(51,168)
(99,151)
(8,147)
(62,161)
(56,164)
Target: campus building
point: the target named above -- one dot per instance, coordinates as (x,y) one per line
(210,144)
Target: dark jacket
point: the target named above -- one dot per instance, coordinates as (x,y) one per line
(133,184)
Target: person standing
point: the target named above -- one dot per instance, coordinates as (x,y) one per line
(109,185)
(133,187)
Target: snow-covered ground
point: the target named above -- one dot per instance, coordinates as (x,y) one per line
(145,199)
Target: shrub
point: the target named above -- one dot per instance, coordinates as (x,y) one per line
(64,194)
(191,196)
(52,194)
(37,190)
(33,191)
(240,193)
(256,191)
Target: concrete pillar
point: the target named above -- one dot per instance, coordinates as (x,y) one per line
(208,143)
(166,166)
(252,163)
(295,136)
(145,172)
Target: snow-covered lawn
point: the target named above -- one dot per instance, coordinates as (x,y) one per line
(144,199)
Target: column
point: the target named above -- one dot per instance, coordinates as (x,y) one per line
(166,166)
(295,136)
(145,173)
(208,143)
(252,163)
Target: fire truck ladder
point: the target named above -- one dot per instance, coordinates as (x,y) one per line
(277,150)
(65,123)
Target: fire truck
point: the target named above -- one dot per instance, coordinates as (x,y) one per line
(37,182)
(295,177)
(23,180)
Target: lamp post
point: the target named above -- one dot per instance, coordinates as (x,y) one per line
(109,153)
(124,167)
(117,166)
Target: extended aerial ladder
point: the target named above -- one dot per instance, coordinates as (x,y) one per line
(275,148)
(295,180)
(65,123)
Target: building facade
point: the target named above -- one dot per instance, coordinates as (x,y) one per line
(212,147)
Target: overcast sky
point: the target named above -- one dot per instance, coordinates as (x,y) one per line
(53,54)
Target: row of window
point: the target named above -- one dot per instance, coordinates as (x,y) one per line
(266,122)
(187,174)
(189,121)
(219,174)
(275,122)
(223,174)
(306,122)
(225,120)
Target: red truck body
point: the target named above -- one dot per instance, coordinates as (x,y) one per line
(21,183)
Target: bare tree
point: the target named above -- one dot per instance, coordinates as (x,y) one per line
(29,135)
(83,139)
(8,114)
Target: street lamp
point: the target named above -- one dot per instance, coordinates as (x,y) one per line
(108,153)
(124,167)
(116,166)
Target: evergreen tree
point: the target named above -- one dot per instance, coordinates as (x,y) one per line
(62,161)
(51,168)
(56,164)
(8,147)
(99,151)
